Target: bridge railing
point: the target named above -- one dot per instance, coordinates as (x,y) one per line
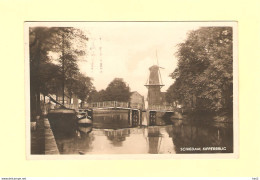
(117,104)
(108,104)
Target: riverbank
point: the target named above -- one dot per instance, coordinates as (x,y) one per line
(206,117)
(42,138)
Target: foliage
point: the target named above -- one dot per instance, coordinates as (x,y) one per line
(40,44)
(46,76)
(117,90)
(83,87)
(49,78)
(70,45)
(204,76)
(98,96)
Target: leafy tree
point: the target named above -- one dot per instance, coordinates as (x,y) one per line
(70,45)
(117,90)
(93,95)
(204,76)
(98,96)
(45,77)
(103,95)
(40,44)
(49,78)
(83,87)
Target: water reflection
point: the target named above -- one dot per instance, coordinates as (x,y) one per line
(112,120)
(117,136)
(115,133)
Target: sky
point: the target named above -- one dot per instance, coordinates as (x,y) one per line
(129,49)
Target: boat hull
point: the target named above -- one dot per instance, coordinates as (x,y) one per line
(85,121)
(62,121)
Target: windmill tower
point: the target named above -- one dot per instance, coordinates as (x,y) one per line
(154,85)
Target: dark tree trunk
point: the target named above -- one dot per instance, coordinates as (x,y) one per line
(34,78)
(33,104)
(63,70)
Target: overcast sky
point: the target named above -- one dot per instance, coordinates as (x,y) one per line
(129,49)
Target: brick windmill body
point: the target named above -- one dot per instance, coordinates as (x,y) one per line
(154,85)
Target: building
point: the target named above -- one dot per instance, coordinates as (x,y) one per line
(72,103)
(137,100)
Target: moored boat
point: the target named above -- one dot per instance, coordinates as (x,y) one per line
(85,130)
(84,119)
(62,119)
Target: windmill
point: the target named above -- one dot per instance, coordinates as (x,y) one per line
(154,84)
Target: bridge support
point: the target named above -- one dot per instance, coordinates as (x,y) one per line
(140,117)
(135,117)
(130,117)
(152,117)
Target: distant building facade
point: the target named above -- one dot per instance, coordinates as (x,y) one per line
(137,100)
(72,103)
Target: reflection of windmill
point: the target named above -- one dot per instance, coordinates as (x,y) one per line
(154,84)
(155,139)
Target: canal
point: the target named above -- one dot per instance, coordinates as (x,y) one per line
(114,133)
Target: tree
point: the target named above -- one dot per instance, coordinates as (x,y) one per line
(83,87)
(49,78)
(117,90)
(70,45)
(45,77)
(204,75)
(40,44)
(98,96)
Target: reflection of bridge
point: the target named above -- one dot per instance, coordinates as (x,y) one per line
(161,108)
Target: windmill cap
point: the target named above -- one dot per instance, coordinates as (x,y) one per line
(154,67)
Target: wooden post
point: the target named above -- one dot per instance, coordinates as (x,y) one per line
(140,117)
(130,117)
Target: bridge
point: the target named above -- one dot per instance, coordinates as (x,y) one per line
(134,110)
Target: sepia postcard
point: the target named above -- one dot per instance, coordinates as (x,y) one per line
(131,90)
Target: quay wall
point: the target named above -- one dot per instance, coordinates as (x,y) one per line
(50,142)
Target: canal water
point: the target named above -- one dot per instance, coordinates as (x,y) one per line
(114,133)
